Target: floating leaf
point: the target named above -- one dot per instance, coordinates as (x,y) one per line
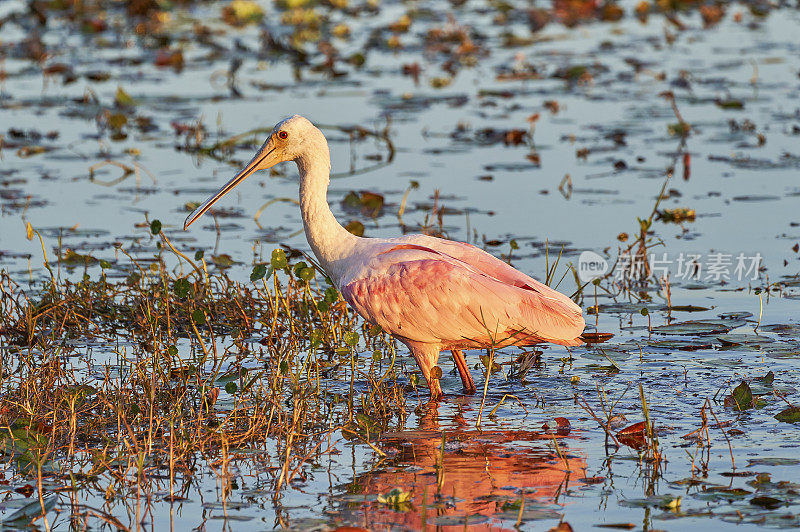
(596,337)
(242,12)
(730,103)
(123,99)
(155,227)
(396,498)
(355,227)
(789,415)
(485,361)
(369,203)
(117,121)
(32,510)
(223,260)
(677,215)
(633,435)
(698,327)
(742,398)
(767,379)
(30,151)
(770,503)
(169,58)
(572,73)
(72,258)
(773,462)
(679,129)
(688,308)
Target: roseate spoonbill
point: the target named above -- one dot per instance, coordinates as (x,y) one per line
(429,293)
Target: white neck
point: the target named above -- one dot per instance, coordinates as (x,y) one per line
(330,242)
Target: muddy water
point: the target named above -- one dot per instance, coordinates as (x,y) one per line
(608,128)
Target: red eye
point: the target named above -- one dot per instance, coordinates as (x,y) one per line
(282,135)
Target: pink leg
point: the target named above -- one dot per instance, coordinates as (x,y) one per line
(463,370)
(427,355)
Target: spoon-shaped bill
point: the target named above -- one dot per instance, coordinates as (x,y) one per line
(264,158)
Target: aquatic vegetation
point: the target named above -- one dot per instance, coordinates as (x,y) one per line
(150,378)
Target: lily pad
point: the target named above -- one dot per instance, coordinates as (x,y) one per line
(741,398)
(770,503)
(789,415)
(698,327)
(743,339)
(772,462)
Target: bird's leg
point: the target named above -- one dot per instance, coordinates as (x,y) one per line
(426,356)
(463,370)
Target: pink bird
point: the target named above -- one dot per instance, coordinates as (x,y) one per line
(429,293)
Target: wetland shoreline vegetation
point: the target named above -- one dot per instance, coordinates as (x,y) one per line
(154,380)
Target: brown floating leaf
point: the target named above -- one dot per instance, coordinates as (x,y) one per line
(355,227)
(596,337)
(169,58)
(242,12)
(677,215)
(633,435)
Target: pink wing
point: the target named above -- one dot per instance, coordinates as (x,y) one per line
(425,295)
(488,264)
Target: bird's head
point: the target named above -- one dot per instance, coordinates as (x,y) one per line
(290,139)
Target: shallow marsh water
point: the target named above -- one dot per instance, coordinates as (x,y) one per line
(609,132)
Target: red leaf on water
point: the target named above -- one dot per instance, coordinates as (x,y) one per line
(562,422)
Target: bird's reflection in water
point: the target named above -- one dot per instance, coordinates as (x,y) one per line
(477,480)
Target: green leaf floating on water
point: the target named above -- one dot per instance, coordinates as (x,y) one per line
(741,398)
(699,327)
(770,503)
(223,260)
(31,510)
(773,461)
(123,99)
(789,415)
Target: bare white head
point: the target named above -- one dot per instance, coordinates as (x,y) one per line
(292,139)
